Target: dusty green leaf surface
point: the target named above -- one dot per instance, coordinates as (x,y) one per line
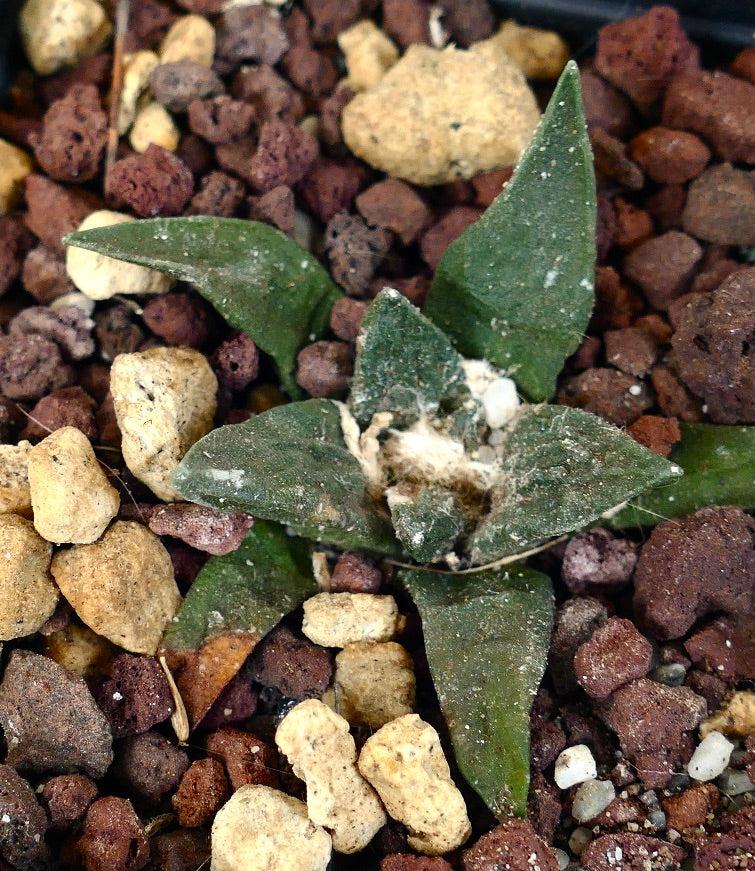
(259,280)
(289,464)
(719,469)
(486,637)
(428,524)
(248,590)
(404,365)
(516,288)
(562,468)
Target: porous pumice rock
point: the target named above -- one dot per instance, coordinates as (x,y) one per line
(373,683)
(262,829)
(368,52)
(164,401)
(338,619)
(438,116)
(100,277)
(154,125)
(318,745)
(15,165)
(190,37)
(72,498)
(27,594)
(15,496)
(405,763)
(122,586)
(539,54)
(136,69)
(59,33)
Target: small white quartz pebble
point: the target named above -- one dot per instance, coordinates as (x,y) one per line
(405,763)
(318,745)
(591,798)
(263,829)
(574,765)
(710,758)
(338,619)
(500,402)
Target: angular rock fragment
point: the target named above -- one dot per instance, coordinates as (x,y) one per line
(338,619)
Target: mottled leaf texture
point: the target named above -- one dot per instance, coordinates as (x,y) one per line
(429,523)
(259,280)
(486,638)
(516,288)
(719,469)
(404,365)
(289,464)
(562,468)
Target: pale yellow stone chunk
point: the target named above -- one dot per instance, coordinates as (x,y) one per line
(190,37)
(100,277)
(263,829)
(338,619)
(539,54)
(59,33)
(318,745)
(405,763)
(79,650)
(164,401)
(437,116)
(72,498)
(15,165)
(122,586)
(136,70)
(15,496)
(369,54)
(154,125)
(735,718)
(27,594)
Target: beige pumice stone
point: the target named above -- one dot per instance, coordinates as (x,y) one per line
(15,165)
(368,52)
(164,401)
(122,586)
(15,496)
(262,829)
(72,498)
(27,594)
(60,33)
(539,54)
(190,37)
(441,115)
(136,70)
(100,277)
(338,619)
(154,125)
(322,752)
(405,763)
(79,650)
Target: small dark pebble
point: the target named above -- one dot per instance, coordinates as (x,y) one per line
(156,183)
(324,368)
(66,799)
(114,837)
(148,767)
(69,406)
(207,529)
(175,85)
(355,573)
(355,251)
(219,195)
(179,318)
(31,366)
(295,666)
(202,792)
(24,823)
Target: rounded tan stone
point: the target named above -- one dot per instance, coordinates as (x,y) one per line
(27,594)
(154,125)
(15,165)
(137,67)
(338,619)
(369,53)
(122,586)
(539,54)
(15,497)
(72,498)
(190,37)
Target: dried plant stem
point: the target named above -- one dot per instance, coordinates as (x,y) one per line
(116,85)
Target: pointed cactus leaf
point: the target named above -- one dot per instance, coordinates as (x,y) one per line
(427,523)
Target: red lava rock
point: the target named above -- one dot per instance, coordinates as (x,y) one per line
(135,695)
(543,806)
(276,207)
(586,355)
(220,119)
(50,720)
(251,33)
(611,161)
(66,799)
(632,350)
(633,225)
(512,844)
(295,666)
(434,241)
(324,368)
(219,194)
(73,136)
(605,106)
(24,823)
(207,529)
(414,288)
(330,17)
(710,348)
(69,327)
(720,206)
(355,573)
(114,837)
(673,397)
(202,792)
(283,157)
(116,332)
(616,303)
(31,366)
(692,567)
(605,227)
(669,156)
(615,654)
(355,250)
(44,275)
(613,395)
(488,185)
(154,183)
(597,557)
(15,241)
(69,406)
(179,318)
(148,766)
(666,206)
(187,562)
(467,21)
(331,108)
(346,317)
(236,361)
(691,807)
(407,22)
(652,721)
(630,852)
(237,702)
(94,70)
(663,266)
(657,433)
(743,65)
(149,21)
(176,85)
(641,55)
(711,687)
(620,812)
(575,622)
(181,849)
(313,72)
(330,186)
(711,277)
(271,95)
(726,646)
(718,107)
(396,206)
(246,758)
(731,848)
(195,153)
(411,862)
(547,740)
